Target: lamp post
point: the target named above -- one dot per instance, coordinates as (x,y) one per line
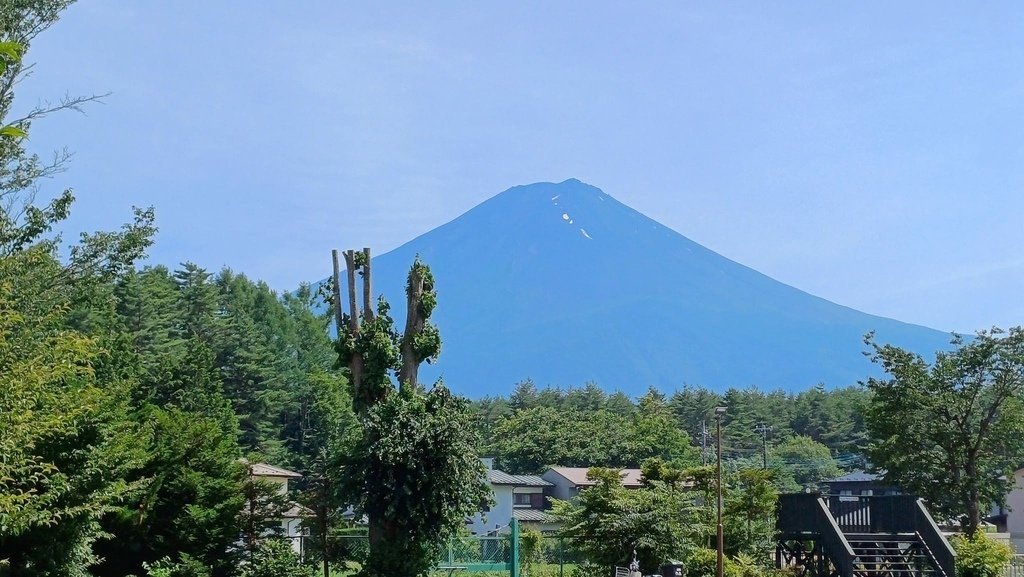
(720,568)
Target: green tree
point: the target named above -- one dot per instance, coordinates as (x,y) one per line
(191,504)
(330,433)
(415,473)
(801,463)
(832,418)
(67,445)
(951,431)
(607,522)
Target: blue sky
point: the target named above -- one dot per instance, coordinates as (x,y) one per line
(868,153)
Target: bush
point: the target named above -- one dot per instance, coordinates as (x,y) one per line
(530,541)
(980,556)
(186,567)
(275,558)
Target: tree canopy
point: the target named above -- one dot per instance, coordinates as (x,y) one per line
(951,431)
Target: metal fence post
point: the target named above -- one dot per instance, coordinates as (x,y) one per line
(561,556)
(513,569)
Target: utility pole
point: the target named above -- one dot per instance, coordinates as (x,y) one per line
(764,430)
(720,568)
(704,442)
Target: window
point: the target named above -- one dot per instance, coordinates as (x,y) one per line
(521,499)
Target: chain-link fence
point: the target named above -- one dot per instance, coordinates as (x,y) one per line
(1016,567)
(554,557)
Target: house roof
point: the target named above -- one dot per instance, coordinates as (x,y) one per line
(578,476)
(497,477)
(265,470)
(531,515)
(296,511)
(855,476)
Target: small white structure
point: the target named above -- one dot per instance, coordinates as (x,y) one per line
(291,518)
(515,496)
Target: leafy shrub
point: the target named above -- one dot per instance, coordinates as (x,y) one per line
(980,556)
(530,541)
(275,558)
(700,562)
(186,567)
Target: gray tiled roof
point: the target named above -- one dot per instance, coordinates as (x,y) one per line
(497,477)
(855,476)
(531,515)
(265,470)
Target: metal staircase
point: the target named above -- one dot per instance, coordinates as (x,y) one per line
(883,536)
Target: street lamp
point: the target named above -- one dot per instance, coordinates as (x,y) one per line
(720,568)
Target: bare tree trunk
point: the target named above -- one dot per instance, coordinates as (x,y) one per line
(339,315)
(367,287)
(414,322)
(355,362)
(973,508)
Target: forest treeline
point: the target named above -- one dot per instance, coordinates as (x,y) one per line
(810,436)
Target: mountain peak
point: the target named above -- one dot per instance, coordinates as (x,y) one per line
(561,283)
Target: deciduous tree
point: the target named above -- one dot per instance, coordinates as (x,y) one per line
(951,431)
(415,474)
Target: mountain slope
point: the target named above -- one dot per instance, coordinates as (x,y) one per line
(563,284)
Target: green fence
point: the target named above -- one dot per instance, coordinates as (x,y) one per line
(471,553)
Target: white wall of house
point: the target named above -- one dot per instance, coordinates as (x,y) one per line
(281,483)
(500,513)
(1015,515)
(563,489)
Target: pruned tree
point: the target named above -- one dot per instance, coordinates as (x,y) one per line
(951,431)
(415,474)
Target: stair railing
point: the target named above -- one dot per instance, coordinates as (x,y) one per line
(808,513)
(934,540)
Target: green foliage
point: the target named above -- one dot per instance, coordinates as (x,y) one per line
(801,463)
(414,472)
(749,511)
(672,517)
(951,431)
(608,522)
(531,439)
(191,502)
(276,558)
(186,566)
(533,428)
(329,434)
(66,444)
(530,552)
(978,555)
(419,475)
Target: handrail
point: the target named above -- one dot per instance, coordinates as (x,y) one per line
(933,538)
(832,538)
(809,513)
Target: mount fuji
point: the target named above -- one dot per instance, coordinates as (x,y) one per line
(562,284)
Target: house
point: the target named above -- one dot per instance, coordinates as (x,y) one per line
(566,482)
(858,483)
(290,520)
(1013,513)
(514,496)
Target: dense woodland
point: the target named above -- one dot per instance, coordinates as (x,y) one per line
(808,435)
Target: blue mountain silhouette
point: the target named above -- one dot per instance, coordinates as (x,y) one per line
(562,284)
